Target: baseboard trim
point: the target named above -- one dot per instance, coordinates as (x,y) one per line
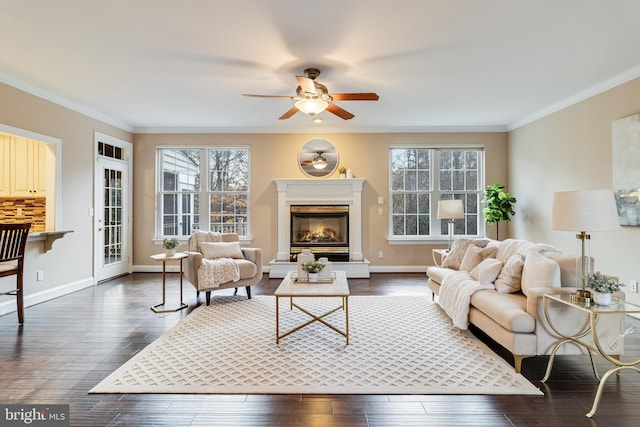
(9,306)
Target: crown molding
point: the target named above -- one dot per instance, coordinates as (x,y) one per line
(63,102)
(604,86)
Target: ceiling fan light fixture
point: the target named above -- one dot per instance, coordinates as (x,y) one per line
(312,106)
(319,162)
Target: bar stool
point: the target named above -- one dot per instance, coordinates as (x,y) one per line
(13,239)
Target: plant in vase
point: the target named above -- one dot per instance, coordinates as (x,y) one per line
(342,171)
(170,245)
(313,269)
(603,286)
(498,206)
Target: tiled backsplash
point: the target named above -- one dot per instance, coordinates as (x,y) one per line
(34,210)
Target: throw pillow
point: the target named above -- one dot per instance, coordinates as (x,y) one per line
(213,250)
(539,271)
(486,272)
(508,281)
(200,236)
(458,249)
(475,256)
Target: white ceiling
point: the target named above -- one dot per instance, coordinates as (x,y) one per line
(182,65)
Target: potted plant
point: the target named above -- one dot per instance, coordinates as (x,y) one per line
(498,206)
(170,245)
(342,171)
(313,269)
(603,286)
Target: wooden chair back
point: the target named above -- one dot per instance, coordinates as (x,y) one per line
(13,240)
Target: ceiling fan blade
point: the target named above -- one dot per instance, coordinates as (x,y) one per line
(289,113)
(340,112)
(268,96)
(367,96)
(306,84)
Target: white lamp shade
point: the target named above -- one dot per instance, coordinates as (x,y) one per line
(450,209)
(312,106)
(590,210)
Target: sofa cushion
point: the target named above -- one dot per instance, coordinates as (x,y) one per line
(570,266)
(509,279)
(509,247)
(508,310)
(437,274)
(213,250)
(474,256)
(539,271)
(487,271)
(458,249)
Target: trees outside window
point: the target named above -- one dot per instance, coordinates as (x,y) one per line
(420,177)
(186,201)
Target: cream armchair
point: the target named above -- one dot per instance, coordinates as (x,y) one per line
(250,266)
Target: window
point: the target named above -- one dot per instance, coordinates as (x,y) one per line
(202,188)
(420,176)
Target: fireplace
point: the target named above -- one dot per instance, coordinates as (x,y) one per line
(323,229)
(346,194)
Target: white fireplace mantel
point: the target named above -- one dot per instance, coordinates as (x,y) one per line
(341,191)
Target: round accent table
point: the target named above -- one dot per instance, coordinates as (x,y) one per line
(179,256)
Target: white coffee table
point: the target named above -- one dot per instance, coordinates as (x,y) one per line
(338,288)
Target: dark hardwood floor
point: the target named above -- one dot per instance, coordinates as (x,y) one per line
(70,344)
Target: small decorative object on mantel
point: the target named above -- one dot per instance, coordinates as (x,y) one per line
(603,286)
(349,173)
(313,268)
(342,171)
(170,245)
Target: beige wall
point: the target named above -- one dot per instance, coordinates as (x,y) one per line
(70,262)
(275,156)
(571,150)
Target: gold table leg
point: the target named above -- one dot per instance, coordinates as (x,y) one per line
(156,308)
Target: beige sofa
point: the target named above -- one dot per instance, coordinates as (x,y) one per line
(248,260)
(509,308)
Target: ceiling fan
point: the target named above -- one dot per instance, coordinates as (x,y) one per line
(313,98)
(318,161)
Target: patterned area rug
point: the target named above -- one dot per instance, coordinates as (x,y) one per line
(397,345)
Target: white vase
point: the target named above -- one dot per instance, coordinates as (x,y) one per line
(304,256)
(313,277)
(170,252)
(327,271)
(602,298)
(349,173)
(343,175)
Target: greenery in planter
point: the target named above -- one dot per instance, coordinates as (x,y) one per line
(605,284)
(313,266)
(170,243)
(342,170)
(498,206)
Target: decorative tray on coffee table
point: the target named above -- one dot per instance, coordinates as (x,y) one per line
(296,279)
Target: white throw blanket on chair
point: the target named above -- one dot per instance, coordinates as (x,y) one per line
(455,297)
(214,272)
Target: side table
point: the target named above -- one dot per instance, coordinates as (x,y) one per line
(438,255)
(594,312)
(179,256)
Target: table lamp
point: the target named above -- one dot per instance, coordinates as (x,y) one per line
(584,211)
(450,209)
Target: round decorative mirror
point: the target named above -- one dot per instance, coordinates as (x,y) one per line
(318,158)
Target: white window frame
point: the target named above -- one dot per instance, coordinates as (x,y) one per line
(203,192)
(435,193)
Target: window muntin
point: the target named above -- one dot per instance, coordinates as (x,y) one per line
(185,204)
(420,176)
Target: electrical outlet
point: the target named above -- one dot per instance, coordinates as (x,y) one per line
(634,286)
(380,254)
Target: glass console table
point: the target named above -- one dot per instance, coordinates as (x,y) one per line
(594,311)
